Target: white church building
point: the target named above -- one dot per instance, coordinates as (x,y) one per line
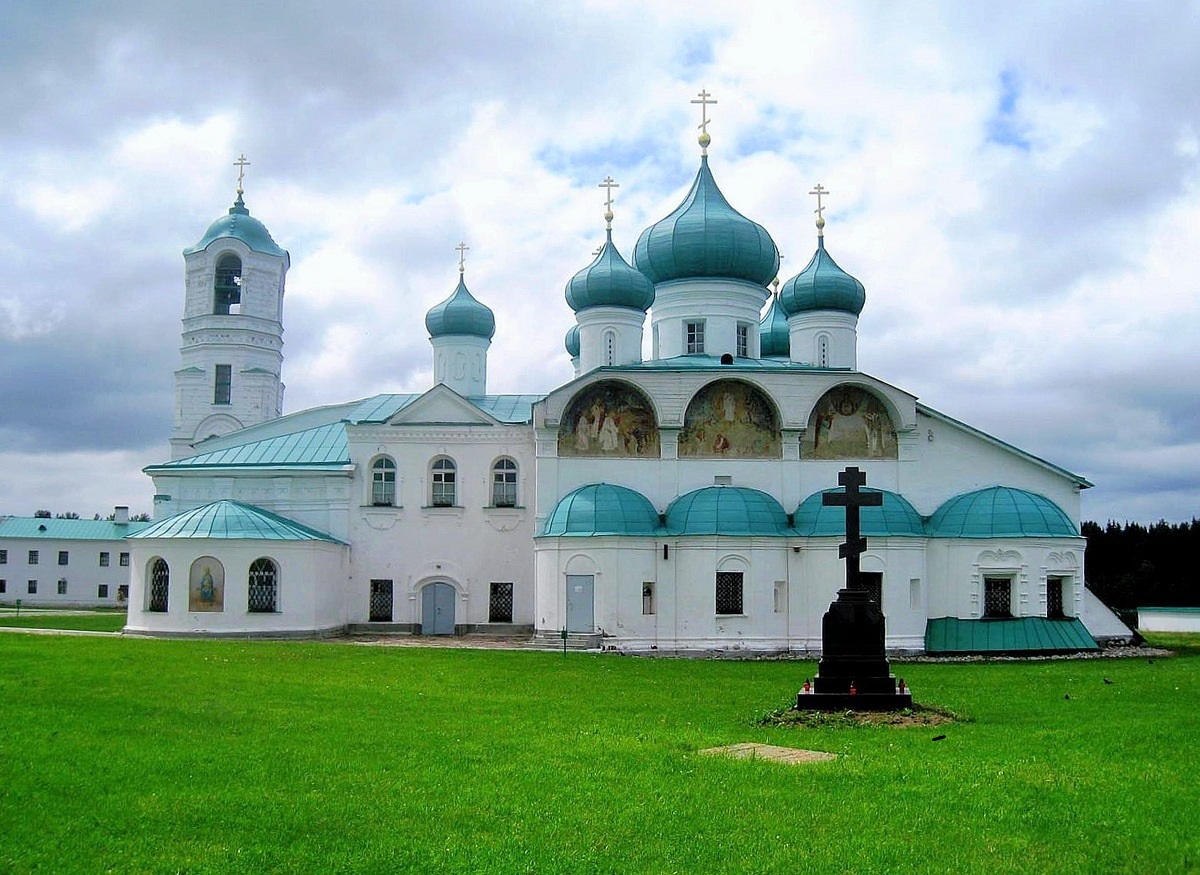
(670,504)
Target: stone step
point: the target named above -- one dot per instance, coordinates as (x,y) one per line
(544,640)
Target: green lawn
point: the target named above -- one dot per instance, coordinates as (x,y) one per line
(113,622)
(130,755)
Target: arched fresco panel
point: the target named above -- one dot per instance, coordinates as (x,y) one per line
(729,419)
(609,420)
(849,423)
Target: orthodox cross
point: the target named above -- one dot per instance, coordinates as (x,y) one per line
(462,256)
(240,164)
(704,102)
(608,213)
(852,499)
(820,210)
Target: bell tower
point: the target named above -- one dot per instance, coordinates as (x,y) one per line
(231,356)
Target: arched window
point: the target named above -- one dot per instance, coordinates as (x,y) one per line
(264,587)
(383,482)
(227,285)
(823,351)
(160,586)
(504,483)
(610,347)
(443,482)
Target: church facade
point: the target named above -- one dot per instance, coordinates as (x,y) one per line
(670,504)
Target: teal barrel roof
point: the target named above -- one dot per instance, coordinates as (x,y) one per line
(240,225)
(774,339)
(726,510)
(609,281)
(233,520)
(67,530)
(602,509)
(705,237)
(1016,635)
(822,285)
(895,517)
(460,314)
(1001,512)
(571,341)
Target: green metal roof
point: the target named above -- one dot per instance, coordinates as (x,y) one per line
(602,509)
(822,285)
(895,517)
(705,237)
(460,314)
(774,338)
(320,447)
(1001,512)
(240,225)
(1018,635)
(609,281)
(726,510)
(506,408)
(233,520)
(66,530)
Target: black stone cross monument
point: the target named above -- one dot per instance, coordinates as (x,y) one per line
(853,673)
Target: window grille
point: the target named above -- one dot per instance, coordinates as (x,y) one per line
(383,482)
(1054,598)
(504,483)
(443,483)
(103,560)
(160,585)
(264,587)
(500,605)
(997,597)
(381,601)
(64,558)
(729,592)
(33,557)
(3,557)
(124,563)
(872,582)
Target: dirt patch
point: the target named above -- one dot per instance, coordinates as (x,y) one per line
(918,715)
(753,751)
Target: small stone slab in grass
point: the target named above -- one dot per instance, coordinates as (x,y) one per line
(755,751)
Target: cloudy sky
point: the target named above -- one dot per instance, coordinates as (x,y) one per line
(1017,185)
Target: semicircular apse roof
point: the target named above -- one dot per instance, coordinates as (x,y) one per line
(726,510)
(232,520)
(1001,512)
(602,509)
(895,517)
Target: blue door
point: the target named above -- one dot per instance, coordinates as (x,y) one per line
(437,609)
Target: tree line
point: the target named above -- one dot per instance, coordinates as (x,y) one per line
(1133,565)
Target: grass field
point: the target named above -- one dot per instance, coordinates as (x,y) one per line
(222,757)
(108,622)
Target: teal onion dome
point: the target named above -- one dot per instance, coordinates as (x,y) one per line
(460,314)
(239,225)
(895,517)
(609,281)
(1001,512)
(706,238)
(822,285)
(726,510)
(774,340)
(571,341)
(602,509)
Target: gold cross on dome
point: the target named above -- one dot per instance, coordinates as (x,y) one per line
(704,102)
(241,164)
(462,248)
(820,191)
(609,184)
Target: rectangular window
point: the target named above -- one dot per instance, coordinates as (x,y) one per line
(103,559)
(122,592)
(872,582)
(223,385)
(124,560)
(3,586)
(743,340)
(693,338)
(729,592)
(102,591)
(1054,598)
(33,557)
(914,593)
(500,605)
(3,557)
(32,587)
(648,598)
(62,586)
(63,557)
(780,600)
(997,597)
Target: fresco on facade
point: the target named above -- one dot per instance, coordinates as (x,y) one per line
(730,420)
(609,419)
(849,423)
(206,585)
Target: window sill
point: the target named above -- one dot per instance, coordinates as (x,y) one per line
(443,509)
(732,616)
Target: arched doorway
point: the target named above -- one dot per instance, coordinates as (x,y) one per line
(437,609)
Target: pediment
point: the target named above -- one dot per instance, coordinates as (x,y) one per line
(441,406)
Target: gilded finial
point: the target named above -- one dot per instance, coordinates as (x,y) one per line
(608,202)
(704,102)
(462,248)
(819,191)
(240,164)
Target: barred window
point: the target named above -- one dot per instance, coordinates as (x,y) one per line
(729,592)
(500,605)
(64,557)
(33,557)
(380,604)
(3,557)
(504,483)
(103,559)
(263,587)
(1054,598)
(160,586)
(443,493)
(383,482)
(997,597)
(124,560)
(872,582)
